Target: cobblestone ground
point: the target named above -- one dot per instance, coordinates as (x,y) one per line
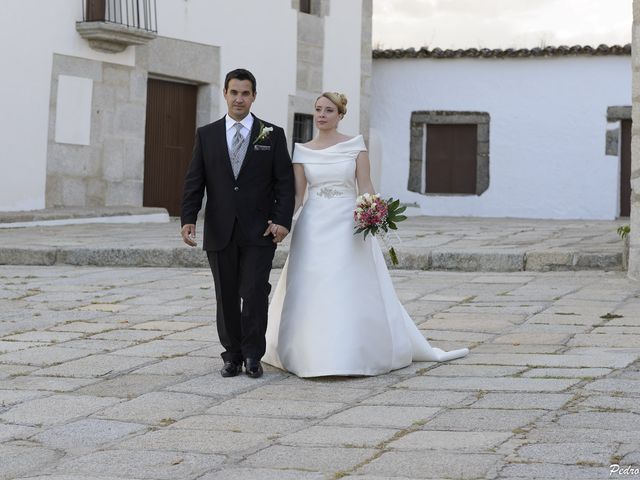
(112,373)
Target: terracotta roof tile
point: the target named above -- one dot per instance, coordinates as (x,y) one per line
(506,53)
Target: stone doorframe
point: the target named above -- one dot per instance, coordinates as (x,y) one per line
(110,170)
(417,160)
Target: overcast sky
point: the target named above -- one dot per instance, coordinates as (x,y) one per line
(500,23)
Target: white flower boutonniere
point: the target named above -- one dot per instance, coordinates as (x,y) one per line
(264,133)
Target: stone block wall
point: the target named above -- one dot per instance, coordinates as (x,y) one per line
(366,65)
(109,170)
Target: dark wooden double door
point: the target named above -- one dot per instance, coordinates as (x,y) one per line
(169,135)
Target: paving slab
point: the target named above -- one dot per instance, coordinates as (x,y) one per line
(86,433)
(554,470)
(140,464)
(320,459)
(569,453)
(197,441)
(492,383)
(483,419)
(241,424)
(281,408)
(56,409)
(19,459)
(382,416)
(154,407)
(262,474)
(529,400)
(431,464)
(446,440)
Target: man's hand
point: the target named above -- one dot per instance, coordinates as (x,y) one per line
(278,232)
(189,234)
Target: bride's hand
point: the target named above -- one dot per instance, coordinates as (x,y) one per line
(278,231)
(281,233)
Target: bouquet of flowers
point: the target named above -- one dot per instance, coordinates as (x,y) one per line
(373,214)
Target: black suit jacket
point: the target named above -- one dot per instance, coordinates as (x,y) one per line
(264,189)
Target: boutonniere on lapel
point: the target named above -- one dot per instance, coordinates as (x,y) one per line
(263,135)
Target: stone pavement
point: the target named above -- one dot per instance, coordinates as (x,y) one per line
(111,373)
(426,243)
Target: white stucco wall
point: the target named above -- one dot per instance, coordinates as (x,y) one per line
(31,31)
(256,35)
(547,130)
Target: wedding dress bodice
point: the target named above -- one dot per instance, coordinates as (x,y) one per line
(331,172)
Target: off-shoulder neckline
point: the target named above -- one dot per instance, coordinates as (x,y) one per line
(330,146)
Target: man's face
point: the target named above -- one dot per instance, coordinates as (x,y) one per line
(239,96)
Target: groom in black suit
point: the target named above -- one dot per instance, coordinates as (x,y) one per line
(244,165)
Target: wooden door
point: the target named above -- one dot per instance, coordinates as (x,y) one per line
(451,158)
(169,135)
(625,168)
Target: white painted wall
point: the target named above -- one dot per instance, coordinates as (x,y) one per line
(547,140)
(342,52)
(253,34)
(31,31)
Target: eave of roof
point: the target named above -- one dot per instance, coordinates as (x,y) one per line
(561,51)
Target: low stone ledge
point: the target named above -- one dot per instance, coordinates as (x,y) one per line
(548,261)
(117,257)
(409,258)
(598,261)
(76,212)
(28,256)
(478,261)
(189,258)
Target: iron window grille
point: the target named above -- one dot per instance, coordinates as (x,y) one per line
(140,14)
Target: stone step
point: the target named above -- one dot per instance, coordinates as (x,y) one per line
(410,258)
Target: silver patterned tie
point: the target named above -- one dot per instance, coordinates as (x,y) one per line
(238,150)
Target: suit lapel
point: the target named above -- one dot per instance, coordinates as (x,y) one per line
(255,131)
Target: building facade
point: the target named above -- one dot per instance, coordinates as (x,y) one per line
(101,101)
(541,133)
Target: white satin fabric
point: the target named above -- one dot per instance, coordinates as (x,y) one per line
(334,310)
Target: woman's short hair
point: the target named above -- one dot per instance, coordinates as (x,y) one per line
(338,99)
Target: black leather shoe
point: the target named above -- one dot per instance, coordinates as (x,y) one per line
(253,368)
(231,369)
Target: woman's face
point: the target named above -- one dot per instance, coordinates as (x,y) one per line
(326,116)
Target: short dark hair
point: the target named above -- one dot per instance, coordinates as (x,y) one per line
(240,74)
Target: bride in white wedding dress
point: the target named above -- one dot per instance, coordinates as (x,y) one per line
(334,310)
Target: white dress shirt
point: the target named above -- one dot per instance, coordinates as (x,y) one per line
(247,123)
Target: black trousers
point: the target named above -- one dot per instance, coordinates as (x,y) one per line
(241,277)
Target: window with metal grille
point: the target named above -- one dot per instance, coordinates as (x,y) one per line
(131,13)
(302,128)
